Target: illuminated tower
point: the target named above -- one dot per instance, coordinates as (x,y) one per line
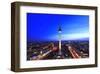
(59,31)
(60,54)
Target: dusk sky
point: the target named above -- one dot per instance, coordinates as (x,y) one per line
(45,26)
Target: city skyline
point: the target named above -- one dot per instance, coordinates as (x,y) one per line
(44,27)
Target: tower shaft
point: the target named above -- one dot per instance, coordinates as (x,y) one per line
(59,43)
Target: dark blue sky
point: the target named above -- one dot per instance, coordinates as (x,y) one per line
(45,26)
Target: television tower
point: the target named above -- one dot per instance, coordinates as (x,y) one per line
(60,54)
(59,31)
